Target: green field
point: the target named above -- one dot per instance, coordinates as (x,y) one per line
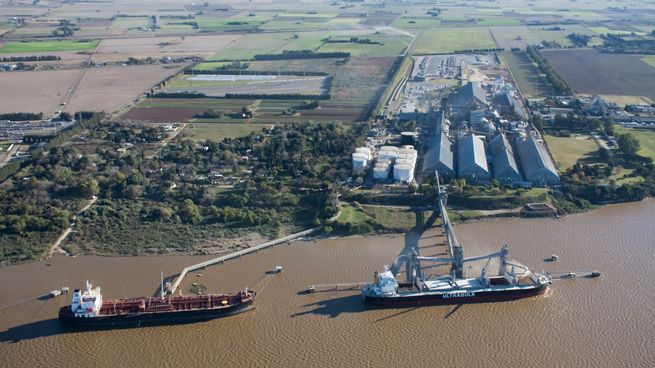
(526,75)
(499,22)
(130,22)
(646,139)
(211,65)
(239,23)
(451,40)
(569,150)
(389,46)
(43,46)
(559,36)
(416,22)
(219,131)
(275,24)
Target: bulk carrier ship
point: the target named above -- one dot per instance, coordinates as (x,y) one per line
(89,310)
(514,281)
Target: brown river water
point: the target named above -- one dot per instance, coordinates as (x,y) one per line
(603,322)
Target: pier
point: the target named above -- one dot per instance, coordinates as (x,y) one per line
(202,265)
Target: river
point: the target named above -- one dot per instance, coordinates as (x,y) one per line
(603,322)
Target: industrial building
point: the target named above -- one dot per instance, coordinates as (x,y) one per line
(505,169)
(440,156)
(386,158)
(536,163)
(472,159)
(467,98)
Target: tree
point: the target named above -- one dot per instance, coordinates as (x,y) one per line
(89,188)
(608,126)
(628,144)
(190,212)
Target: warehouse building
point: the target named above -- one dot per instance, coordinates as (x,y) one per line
(536,163)
(505,169)
(472,159)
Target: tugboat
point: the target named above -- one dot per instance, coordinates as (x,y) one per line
(89,310)
(514,281)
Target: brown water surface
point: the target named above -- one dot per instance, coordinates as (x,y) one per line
(603,322)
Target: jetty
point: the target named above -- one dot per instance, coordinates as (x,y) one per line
(202,265)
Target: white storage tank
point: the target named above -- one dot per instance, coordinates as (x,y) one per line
(403,173)
(381,171)
(364,150)
(360,161)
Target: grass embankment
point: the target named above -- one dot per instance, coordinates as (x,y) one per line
(362,219)
(482,198)
(43,46)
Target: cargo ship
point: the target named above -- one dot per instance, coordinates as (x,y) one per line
(89,310)
(513,281)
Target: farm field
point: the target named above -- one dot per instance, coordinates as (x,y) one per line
(241,22)
(559,36)
(389,46)
(200,45)
(416,22)
(526,75)
(509,37)
(35,91)
(646,139)
(249,45)
(45,46)
(588,71)
(452,40)
(498,22)
(220,85)
(569,150)
(109,89)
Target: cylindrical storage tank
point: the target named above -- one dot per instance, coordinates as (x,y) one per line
(364,150)
(403,173)
(381,171)
(360,161)
(389,148)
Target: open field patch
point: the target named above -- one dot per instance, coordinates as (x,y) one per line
(567,151)
(490,22)
(558,34)
(45,46)
(526,75)
(220,85)
(416,22)
(589,71)
(198,45)
(509,37)
(248,46)
(452,40)
(109,89)
(219,131)
(646,139)
(380,46)
(36,92)
(240,22)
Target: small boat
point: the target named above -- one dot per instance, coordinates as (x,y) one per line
(594,273)
(554,257)
(277,269)
(54,293)
(310,289)
(569,275)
